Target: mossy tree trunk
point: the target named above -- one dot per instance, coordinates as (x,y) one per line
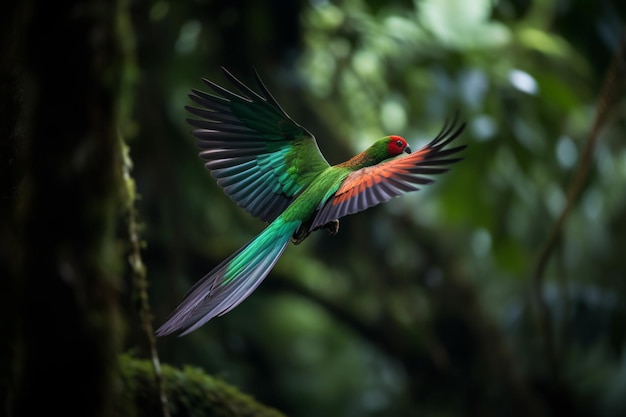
(63,80)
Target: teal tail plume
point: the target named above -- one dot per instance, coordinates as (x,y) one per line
(232,281)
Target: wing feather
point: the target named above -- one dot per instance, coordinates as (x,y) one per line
(376,184)
(258,154)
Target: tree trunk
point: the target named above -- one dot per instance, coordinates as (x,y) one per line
(63,260)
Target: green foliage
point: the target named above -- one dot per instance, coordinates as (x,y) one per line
(426,305)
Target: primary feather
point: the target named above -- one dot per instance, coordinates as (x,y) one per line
(369,186)
(257,153)
(272,167)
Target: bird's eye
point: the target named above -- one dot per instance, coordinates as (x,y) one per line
(399,143)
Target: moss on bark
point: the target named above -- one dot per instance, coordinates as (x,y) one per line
(190,392)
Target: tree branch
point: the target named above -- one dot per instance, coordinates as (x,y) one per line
(609,94)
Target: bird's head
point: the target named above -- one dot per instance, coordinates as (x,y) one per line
(381,150)
(396,145)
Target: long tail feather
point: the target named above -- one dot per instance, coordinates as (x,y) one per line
(230,282)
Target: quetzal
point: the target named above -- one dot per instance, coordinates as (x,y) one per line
(272,167)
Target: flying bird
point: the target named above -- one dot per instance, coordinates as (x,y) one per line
(272,167)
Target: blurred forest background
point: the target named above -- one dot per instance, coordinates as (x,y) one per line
(498,291)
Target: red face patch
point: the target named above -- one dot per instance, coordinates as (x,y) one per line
(396,145)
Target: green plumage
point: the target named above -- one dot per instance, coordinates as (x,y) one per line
(272,167)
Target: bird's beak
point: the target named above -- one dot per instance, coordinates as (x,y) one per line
(407,149)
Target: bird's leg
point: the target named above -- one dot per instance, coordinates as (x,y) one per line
(305,230)
(302,233)
(332,226)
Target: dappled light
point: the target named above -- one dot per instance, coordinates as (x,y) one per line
(498,290)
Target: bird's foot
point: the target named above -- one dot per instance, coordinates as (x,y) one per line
(303,231)
(332,226)
(300,234)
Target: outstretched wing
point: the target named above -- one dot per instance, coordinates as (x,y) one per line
(373,185)
(257,153)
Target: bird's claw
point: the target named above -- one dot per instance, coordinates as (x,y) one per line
(332,226)
(299,236)
(304,232)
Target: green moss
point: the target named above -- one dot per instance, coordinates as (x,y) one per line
(190,392)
